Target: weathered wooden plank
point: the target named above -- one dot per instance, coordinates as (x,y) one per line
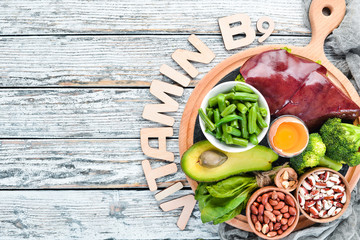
(77,113)
(88,163)
(102,214)
(147,16)
(120,61)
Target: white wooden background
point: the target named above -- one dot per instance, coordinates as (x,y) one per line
(74,80)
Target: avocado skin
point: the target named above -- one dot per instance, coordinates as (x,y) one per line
(259,158)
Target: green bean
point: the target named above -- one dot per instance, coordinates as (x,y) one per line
(253,139)
(213,101)
(227,102)
(217,119)
(209,132)
(227,119)
(257,130)
(234,124)
(261,122)
(228,110)
(240,141)
(210,113)
(242,96)
(216,115)
(263,111)
(248,105)
(256,105)
(227,137)
(244,127)
(221,102)
(206,120)
(243,88)
(229,96)
(252,119)
(233,131)
(242,108)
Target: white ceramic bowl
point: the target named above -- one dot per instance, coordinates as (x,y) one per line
(224,88)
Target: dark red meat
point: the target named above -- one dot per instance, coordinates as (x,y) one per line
(278,74)
(317,100)
(297,86)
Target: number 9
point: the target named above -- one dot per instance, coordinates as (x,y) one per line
(261,29)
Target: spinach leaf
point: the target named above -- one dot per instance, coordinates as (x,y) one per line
(230,187)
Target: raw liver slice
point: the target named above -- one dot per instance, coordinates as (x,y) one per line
(317,100)
(278,74)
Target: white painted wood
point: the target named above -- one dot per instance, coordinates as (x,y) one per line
(101,214)
(101,163)
(146,16)
(118,61)
(78,113)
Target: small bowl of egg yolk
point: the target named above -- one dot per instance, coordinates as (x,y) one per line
(288,136)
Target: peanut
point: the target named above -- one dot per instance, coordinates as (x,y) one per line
(273,202)
(268,207)
(279,206)
(289,200)
(291,221)
(258,226)
(254,210)
(264,198)
(285,209)
(265,229)
(292,211)
(261,209)
(270,215)
(271,234)
(284,221)
(254,218)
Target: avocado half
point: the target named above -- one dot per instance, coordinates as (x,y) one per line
(259,158)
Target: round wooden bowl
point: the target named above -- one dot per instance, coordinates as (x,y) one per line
(277,179)
(253,199)
(347,192)
(321,27)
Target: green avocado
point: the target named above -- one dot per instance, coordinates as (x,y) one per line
(259,158)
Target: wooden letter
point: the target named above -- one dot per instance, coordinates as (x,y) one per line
(187,201)
(152,174)
(160,134)
(175,75)
(168,191)
(266,31)
(182,57)
(228,32)
(159,90)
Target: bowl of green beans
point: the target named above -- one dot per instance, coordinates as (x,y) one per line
(234,116)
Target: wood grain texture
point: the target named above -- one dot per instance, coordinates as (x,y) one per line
(102,214)
(78,113)
(117,61)
(88,163)
(145,17)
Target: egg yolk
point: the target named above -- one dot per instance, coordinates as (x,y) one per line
(290,137)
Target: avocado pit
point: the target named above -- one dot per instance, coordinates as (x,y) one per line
(212,158)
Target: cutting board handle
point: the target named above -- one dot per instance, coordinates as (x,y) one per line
(321,24)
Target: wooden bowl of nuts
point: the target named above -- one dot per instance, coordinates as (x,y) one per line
(272,213)
(323,194)
(286,179)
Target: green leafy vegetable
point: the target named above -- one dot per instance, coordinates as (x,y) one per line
(239,78)
(286,49)
(221,201)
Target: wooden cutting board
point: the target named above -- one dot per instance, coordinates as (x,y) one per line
(321,25)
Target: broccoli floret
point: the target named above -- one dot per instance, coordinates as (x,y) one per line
(342,141)
(313,155)
(316,145)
